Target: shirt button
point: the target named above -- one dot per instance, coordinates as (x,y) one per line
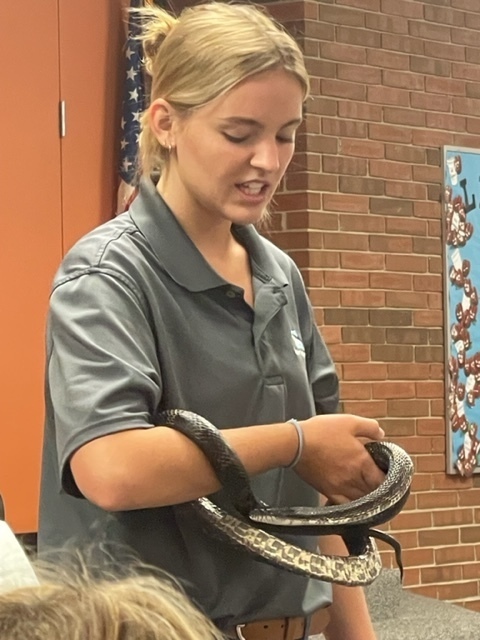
(231,293)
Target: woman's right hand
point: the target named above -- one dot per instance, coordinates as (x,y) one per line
(335,461)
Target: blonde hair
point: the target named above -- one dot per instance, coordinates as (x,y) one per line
(80,607)
(203,54)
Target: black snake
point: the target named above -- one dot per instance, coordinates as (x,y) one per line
(252,525)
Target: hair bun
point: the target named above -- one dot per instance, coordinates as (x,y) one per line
(154,25)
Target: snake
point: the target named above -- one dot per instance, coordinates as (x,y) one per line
(253,526)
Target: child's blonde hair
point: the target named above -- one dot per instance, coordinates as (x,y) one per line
(67,606)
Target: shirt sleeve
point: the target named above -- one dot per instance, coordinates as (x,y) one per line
(103,374)
(321,369)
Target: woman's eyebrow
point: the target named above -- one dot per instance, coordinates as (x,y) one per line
(254,123)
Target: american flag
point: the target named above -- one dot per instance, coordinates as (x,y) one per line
(132,109)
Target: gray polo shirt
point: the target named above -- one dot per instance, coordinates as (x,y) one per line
(138,323)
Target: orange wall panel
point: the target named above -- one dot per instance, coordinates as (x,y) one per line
(53,190)
(92,35)
(30,244)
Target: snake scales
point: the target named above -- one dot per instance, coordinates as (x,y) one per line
(252,525)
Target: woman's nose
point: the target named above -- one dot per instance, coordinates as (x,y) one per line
(266,156)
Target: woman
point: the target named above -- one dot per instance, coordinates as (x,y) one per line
(180,303)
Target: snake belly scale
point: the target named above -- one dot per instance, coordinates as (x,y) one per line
(252,525)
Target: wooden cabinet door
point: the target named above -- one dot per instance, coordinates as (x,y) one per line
(91,73)
(30,240)
(52,191)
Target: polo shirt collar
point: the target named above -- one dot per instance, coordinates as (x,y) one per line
(179,255)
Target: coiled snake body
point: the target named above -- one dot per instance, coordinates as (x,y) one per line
(252,525)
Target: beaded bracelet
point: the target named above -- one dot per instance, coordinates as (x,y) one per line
(298,455)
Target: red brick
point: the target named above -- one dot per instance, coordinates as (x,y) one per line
(391,244)
(380,22)
(346,279)
(372,371)
(402,8)
(430,66)
(342,53)
(449,517)
(350,353)
(445,86)
(369,5)
(430,463)
(363,298)
(427,209)
(425,173)
(359,111)
(387,59)
(427,31)
(369,409)
(345,241)
(386,169)
(355,391)
(415,264)
(430,389)
(411,191)
(446,573)
(342,15)
(343,128)
(466,105)
(387,95)
(362,148)
(347,203)
(406,44)
(390,281)
(362,223)
(395,427)
(332,335)
(446,121)
(412,408)
(393,390)
(358,37)
(466,71)
(445,51)
(457,590)
(342,89)
(468,37)
(367,261)
(403,79)
(439,500)
(390,133)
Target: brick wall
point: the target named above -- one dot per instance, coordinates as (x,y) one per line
(360,212)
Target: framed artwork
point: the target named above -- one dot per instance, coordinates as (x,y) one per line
(461,204)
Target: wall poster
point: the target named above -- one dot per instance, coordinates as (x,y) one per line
(461,204)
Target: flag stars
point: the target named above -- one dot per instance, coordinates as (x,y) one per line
(126,164)
(131,73)
(133,94)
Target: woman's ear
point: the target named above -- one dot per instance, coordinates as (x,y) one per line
(161,120)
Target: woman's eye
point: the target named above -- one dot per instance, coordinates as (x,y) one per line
(288,140)
(235,139)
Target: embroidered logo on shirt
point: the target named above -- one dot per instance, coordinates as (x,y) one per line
(298,345)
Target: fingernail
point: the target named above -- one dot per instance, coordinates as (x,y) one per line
(382,432)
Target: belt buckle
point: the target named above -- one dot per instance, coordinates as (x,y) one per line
(238,632)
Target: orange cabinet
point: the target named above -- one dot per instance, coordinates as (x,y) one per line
(52,190)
